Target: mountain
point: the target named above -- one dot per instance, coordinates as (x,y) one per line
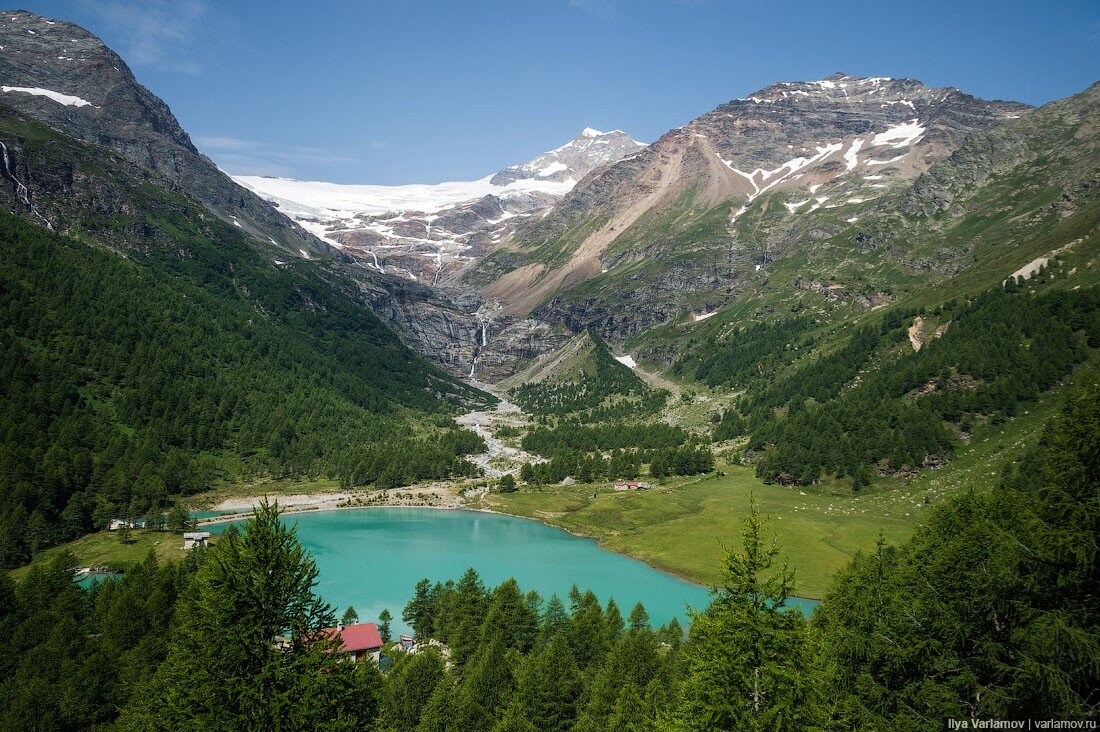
(794,162)
(153,348)
(61,74)
(430,232)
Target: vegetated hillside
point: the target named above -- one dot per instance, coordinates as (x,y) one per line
(875,406)
(135,375)
(597,420)
(833,388)
(583,380)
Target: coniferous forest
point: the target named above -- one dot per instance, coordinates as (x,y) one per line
(990,610)
(824,359)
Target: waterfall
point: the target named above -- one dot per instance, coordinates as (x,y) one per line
(484,341)
(21,190)
(377,266)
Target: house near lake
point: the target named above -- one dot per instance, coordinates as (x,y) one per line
(357,641)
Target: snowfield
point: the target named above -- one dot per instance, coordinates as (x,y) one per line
(337,200)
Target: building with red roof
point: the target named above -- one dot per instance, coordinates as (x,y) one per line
(358,641)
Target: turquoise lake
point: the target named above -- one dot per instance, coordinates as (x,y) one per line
(372,558)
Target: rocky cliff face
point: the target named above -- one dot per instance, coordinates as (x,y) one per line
(57,74)
(63,75)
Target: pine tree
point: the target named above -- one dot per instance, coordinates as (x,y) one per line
(409,687)
(419,610)
(486,687)
(224,668)
(631,713)
(350,616)
(384,619)
(547,691)
(748,656)
(555,618)
(438,715)
(614,619)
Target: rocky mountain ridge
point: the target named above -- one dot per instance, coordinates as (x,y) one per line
(795,147)
(61,74)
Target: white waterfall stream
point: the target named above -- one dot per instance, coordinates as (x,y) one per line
(21,189)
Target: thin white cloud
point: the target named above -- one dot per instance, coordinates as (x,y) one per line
(252,157)
(154,33)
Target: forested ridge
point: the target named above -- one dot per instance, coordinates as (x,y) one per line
(125,380)
(598,421)
(872,406)
(988,612)
(605,389)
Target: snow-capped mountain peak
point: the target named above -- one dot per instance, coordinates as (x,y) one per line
(575,159)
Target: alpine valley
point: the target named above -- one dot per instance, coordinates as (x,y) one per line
(858,313)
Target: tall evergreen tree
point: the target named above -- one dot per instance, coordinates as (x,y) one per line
(384,631)
(748,654)
(225,668)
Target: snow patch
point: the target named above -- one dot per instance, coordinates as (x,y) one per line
(627,361)
(704,316)
(770,178)
(552,168)
(901,135)
(850,154)
(886,162)
(67,99)
(304,253)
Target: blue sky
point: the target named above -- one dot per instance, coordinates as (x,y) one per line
(416,91)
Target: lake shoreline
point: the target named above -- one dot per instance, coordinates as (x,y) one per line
(322,508)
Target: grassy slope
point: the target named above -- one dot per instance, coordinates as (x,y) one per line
(104,548)
(682,527)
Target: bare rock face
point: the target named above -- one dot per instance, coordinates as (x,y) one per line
(62,75)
